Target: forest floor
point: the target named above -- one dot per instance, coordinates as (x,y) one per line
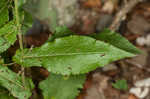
(135,26)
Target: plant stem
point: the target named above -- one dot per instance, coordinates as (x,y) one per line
(20,37)
(18,25)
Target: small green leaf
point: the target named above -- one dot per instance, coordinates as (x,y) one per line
(120,84)
(4,94)
(13,83)
(56,87)
(4,16)
(61,31)
(7,36)
(116,40)
(71,55)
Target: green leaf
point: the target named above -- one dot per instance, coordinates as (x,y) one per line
(59,87)
(61,31)
(7,36)
(71,55)
(120,84)
(116,40)
(4,94)
(14,84)
(4,16)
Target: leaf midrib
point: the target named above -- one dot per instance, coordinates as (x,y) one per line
(64,54)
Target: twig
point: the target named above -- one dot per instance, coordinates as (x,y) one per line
(137,65)
(122,13)
(9,64)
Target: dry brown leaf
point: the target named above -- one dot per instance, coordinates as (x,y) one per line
(131,96)
(92,4)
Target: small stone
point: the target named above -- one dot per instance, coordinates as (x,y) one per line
(109,67)
(139,92)
(143,83)
(141,41)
